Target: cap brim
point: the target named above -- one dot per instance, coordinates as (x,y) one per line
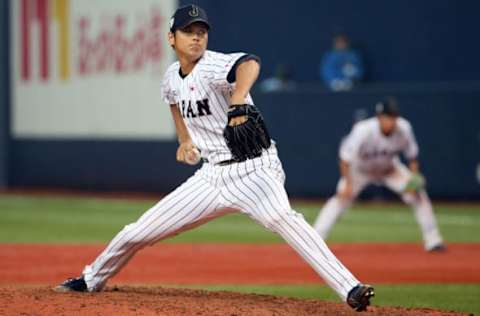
(194,21)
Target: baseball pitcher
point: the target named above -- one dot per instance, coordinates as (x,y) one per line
(216,122)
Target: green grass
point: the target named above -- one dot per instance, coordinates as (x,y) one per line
(79,220)
(449,297)
(93,220)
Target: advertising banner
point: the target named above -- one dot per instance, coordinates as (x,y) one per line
(90,68)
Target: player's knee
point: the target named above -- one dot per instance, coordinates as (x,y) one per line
(133,234)
(410,198)
(280,219)
(344,201)
(273,222)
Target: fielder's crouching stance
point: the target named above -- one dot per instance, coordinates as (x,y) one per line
(215,117)
(369,154)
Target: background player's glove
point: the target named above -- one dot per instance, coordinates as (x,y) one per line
(246,140)
(416,183)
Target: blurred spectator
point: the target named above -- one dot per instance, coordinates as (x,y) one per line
(341,67)
(281,80)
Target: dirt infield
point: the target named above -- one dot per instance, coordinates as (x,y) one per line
(215,264)
(158,301)
(242,264)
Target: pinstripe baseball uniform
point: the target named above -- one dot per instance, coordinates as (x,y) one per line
(373,158)
(253,187)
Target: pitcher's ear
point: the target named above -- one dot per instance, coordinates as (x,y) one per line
(171,39)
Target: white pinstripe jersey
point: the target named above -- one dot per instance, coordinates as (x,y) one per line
(367,149)
(203,97)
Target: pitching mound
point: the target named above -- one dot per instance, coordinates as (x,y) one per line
(161,301)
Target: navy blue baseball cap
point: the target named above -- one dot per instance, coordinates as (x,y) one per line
(387,107)
(186,15)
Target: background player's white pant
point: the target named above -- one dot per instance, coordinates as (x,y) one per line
(254,187)
(396,181)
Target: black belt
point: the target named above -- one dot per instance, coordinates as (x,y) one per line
(228,161)
(222,163)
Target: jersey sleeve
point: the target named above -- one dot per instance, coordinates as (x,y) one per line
(411,147)
(167,91)
(351,144)
(226,67)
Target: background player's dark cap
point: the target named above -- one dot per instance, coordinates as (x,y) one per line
(387,107)
(186,15)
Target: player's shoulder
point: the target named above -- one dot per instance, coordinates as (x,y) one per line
(404,124)
(404,127)
(216,64)
(365,125)
(171,70)
(210,54)
(361,130)
(218,58)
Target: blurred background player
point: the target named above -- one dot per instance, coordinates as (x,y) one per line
(369,154)
(342,66)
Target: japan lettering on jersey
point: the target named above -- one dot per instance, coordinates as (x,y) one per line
(368,149)
(203,97)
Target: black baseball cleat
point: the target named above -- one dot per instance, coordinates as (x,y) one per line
(438,248)
(359,297)
(72,285)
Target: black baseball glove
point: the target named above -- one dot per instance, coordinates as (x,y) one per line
(246,140)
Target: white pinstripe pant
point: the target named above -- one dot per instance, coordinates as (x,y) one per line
(254,187)
(396,181)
